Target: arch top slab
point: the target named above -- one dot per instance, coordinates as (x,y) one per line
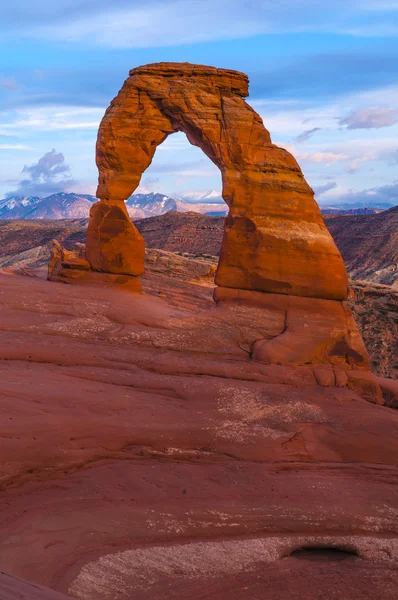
(225,79)
(275,239)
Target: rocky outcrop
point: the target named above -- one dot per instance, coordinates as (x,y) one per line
(113,243)
(183,232)
(279,329)
(274,239)
(187,268)
(71,266)
(369,245)
(375,308)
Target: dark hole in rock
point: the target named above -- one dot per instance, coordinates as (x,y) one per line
(323,553)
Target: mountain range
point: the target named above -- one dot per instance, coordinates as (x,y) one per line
(140,206)
(76,206)
(56,206)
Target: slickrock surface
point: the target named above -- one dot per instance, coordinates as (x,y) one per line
(311,331)
(144,454)
(369,245)
(12,588)
(274,239)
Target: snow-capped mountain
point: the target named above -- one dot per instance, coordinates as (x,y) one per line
(17,206)
(77,206)
(140,206)
(63,206)
(56,206)
(208,203)
(209,197)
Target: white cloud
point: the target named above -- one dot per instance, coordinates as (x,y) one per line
(14,147)
(161,24)
(130,24)
(50,118)
(326,158)
(370,118)
(362,159)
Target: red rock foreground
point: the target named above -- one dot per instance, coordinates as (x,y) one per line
(144,454)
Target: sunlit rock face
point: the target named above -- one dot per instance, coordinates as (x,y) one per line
(275,239)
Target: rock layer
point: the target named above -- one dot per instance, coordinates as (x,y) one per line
(143,453)
(114,245)
(274,239)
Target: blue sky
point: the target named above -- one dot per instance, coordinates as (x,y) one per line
(324,78)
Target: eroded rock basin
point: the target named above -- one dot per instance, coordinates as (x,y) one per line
(144,454)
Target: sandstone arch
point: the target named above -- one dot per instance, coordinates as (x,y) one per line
(275,239)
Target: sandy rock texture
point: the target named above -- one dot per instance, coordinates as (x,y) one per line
(145,453)
(13,588)
(274,238)
(113,243)
(274,328)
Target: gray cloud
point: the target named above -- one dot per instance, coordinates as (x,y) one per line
(384,196)
(303,137)
(49,175)
(150,183)
(370,118)
(47,167)
(322,189)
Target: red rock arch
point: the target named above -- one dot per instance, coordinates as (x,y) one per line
(274,240)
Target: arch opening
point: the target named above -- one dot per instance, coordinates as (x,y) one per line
(184,176)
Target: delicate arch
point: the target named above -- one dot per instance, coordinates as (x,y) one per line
(274,240)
